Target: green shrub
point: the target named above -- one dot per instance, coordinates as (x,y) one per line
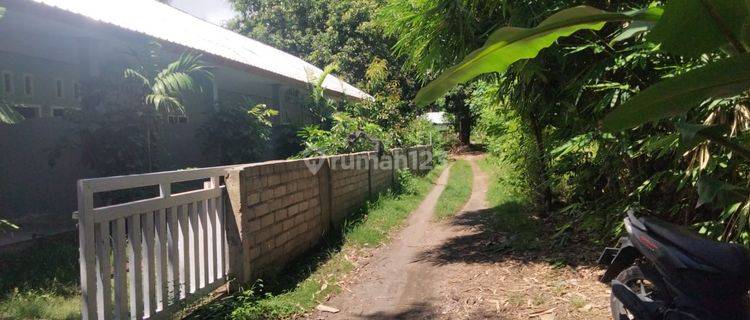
(238,133)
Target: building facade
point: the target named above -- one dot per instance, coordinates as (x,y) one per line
(50,48)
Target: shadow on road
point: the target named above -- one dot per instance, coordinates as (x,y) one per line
(508,232)
(417,311)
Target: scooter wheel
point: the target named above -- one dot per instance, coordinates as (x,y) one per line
(634,279)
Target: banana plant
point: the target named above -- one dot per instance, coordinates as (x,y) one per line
(716,32)
(508,45)
(692,28)
(689,28)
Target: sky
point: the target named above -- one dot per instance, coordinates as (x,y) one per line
(214,11)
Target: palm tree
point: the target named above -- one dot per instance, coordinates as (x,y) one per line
(164,89)
(318,104)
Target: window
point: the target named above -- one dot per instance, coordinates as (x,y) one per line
(178,119)
(58,112)
(7,82)
(28,112)
(28,85)
(77,90)
(59,93)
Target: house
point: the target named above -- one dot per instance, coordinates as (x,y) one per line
(48,48)
(438,119)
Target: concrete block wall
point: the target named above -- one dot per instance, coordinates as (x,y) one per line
(400,159)
(279,214)
(350,184)
(381,174)
(280,209)
(420,158)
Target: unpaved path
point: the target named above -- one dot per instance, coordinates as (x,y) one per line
(441,270)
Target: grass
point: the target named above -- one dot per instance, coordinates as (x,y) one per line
(311,279)
(510,205)
(41,281)
(457,191)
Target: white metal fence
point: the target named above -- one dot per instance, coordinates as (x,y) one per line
(141,258)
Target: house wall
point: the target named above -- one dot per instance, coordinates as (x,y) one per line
(49,49)
(44,74)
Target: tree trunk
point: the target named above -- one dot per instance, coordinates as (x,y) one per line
(546,189)
(463,117)
(148,147)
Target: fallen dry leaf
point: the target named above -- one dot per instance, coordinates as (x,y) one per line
(548,316)
(542,312)
(325,308)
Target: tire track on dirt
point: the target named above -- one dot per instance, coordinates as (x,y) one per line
(398,283)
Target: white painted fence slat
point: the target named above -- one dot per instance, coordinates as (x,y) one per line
(162,275)
(185,270)
(138,259)
(149,266)
(104,274)
(195,232)
(175,273)
(135,264)
(203,217)
(211,239)
(120,280)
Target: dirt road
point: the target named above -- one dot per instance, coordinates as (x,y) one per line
(441,270)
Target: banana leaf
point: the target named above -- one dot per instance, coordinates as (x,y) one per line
(510,44)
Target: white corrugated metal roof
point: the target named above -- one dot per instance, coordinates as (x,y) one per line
(436,117)
(169,24)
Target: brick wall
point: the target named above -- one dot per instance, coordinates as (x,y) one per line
(420,159)
(350,184)
(280,209)
(381,174)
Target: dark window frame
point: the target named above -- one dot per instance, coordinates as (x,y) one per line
(26,111)
(8,87)
(28,85)
(59,89)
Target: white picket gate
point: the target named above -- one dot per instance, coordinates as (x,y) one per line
(139,259)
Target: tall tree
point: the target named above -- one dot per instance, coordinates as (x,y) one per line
(434,35)
(340,33)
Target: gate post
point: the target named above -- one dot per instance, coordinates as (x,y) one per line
(86,255)
(233,227)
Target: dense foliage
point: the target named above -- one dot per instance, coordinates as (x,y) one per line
(433,35)
(674,73)
(238,133)
(357,38)
(335,33)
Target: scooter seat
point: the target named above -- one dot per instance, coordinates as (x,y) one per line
(731,258)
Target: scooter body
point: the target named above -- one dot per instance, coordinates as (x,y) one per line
(692,277)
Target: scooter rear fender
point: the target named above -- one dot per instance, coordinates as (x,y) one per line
(623,259)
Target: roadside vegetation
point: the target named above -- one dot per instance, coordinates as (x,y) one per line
(589,108)
(540,272)
(308,281)
(41,281)
(511,207)
(457,190)
(601,106)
